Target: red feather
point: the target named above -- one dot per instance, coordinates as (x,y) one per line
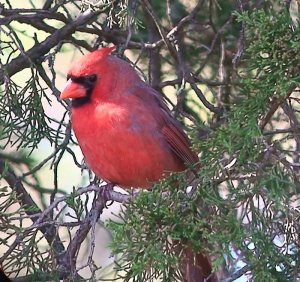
(126,131)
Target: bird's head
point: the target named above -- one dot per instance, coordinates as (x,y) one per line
(95,75)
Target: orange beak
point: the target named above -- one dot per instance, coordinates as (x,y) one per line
(72,90)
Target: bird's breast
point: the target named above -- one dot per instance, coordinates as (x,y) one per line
(123,145)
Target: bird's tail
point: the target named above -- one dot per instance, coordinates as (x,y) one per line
(196,267)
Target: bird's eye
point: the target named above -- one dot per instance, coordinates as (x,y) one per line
(92,78)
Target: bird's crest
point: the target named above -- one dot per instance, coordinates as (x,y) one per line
(103,52)
(90,62)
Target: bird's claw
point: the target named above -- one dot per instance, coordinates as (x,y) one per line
(105,191)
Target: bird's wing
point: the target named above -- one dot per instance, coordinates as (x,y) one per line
(170,127)
(178,141)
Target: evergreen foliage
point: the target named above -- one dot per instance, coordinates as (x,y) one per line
(250,217)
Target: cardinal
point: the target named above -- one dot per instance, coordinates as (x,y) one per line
(123,126)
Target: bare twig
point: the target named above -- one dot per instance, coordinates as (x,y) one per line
(273,106)
(25,60)
(51,156)
(70,257)
(202,98)
(43,216)
(237,274)
(26,200)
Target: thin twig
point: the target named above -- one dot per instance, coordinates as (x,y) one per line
(237,274)
(26,200)
(273,106)
(26,60)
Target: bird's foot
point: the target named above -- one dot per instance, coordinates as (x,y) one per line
(105,192)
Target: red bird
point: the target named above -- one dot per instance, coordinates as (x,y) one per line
(125,130)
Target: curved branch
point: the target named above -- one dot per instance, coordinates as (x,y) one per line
(25,60)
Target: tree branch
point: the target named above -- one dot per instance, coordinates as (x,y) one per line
(26,200)
(27,59)
(273,106)
(237,274)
